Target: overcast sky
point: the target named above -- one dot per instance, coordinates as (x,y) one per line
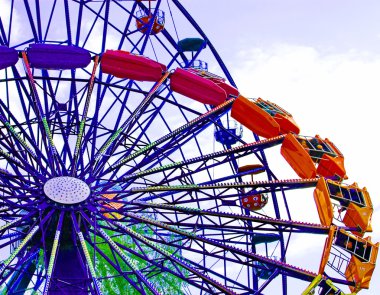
(320,60)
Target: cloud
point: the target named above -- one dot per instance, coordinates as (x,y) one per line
(333,95)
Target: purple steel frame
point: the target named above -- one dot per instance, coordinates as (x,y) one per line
(145,152)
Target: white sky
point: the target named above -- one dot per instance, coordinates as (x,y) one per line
(320,60)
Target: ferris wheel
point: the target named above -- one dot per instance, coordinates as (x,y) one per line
(124,169)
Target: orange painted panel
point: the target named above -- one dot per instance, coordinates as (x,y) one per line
(327,249)
(368,202)
(287,124)
(375,250)
(360,273)
(333,146)
(254,118)
(367,198)
(331,166)
(297,157)
(323,202)
(357,216)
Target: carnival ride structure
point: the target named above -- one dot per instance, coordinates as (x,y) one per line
(123,164)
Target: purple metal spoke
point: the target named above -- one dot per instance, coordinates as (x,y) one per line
(86,254)
(42,120)
(236,251)
(127,125)
(84,117)
(174,262)
(244,150)
(131,264)
(206,279)
(53,252)
(177,260)
(197,122)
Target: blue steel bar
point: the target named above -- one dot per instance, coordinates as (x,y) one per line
(53,254)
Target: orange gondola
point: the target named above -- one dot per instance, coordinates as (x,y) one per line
(354,201)
(283,118)
(264,118)
(254,118)
(360,273)
(305,153)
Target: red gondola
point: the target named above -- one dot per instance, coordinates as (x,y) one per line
(123,64)
(196,87)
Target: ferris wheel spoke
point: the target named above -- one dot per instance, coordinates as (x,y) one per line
(177,266)
(6,212)
(13,239)
(141,127)
(43,123)
(19,140)
(17,268)
(173,258)
(183,216)
(225,218)
(16,184)
(190,128)
(266,185)
(53,254)
(84,117)
(127,260)
(100,158)
(15,164)
(138,286)
(237,252)
(183,196)
(19,164)
(55,120)
(23,243)
(24,202)
(86,254)
(238,152)
(16,222)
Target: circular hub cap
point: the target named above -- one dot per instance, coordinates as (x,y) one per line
(66,190)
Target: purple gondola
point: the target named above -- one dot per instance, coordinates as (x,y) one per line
(8,57)
(57,57)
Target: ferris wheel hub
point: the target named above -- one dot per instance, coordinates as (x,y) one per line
(66,190)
